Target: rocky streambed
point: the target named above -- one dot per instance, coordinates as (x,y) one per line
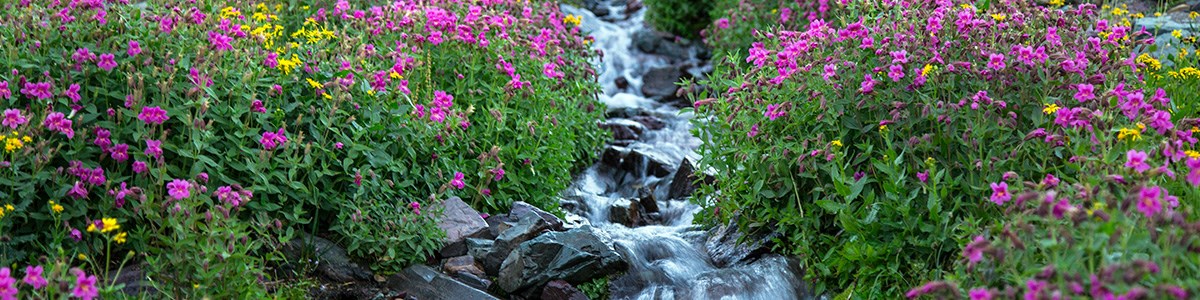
(627,217)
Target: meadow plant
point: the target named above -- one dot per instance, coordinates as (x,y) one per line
(995,145)
(214,132)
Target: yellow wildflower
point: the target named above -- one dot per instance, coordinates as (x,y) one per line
(119,238)
(837,143)
(927,69)
(371,92)
(1050,108)
(572,20)
(27,139)
(13,144)
(1193,15)
(1192,153)
(110,224)
(395,75)
(1157,14)
(1141,127)
(1149,61)
(1118,11)
(327,96)
(9,207)
(229,13)
(82,257)
(999,17)
(1132,134)
(55,207)
(314,83)
(1177,33)
(966,6)
(1056,3)
(1190,72)
(91,227)
(882,128)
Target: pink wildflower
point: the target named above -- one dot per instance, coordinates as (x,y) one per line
(458,182)
(107,62)
(996,61)
(896,72)
(153,115)
(8,285)
(33,277)
(1148,201)
(13,118)
(1136,160)
(154,148)
(1084,92)
(773,111)
(979,294)
(134,49)
(1000,193)
(179,189)
(85,287)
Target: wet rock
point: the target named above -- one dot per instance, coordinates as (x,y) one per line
(562,290)
(659,83)
(597,8)
(624,212)
(577,255)
(529,227)
(684,182)
(621,82)
(422,282)
(661,43)
(332,262)
(649,122)
(1160,25)
(613,155)
(473,281)
(648,202)
(574,204)
(479,248)
(496,225)
(624,129)
(727,244)
(520,209)
(464,263)
(633,7)
(653,163)
(460,222)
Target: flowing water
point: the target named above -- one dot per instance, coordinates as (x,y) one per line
(669,257)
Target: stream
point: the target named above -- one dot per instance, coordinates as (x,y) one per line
(627,195)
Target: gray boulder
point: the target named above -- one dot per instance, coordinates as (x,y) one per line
(460,222)
(529,227)
(625,212)
(332,262)
(577,256)
(425,283)
(520,209)
(562,290)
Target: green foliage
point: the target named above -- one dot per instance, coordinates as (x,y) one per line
(597,289)
(879,185)
(685,18)
(310,119)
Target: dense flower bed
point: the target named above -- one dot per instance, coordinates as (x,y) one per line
(1003,147)
(199,137)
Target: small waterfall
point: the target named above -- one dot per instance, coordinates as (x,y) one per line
(668,255)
